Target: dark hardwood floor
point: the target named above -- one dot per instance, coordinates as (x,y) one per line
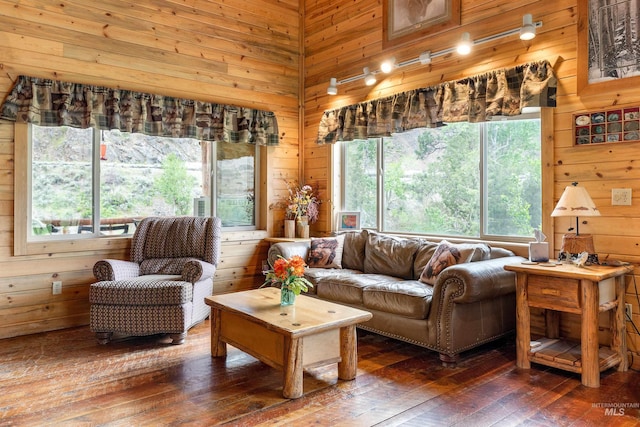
(65,378)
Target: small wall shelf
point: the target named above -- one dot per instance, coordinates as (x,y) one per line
(606,126)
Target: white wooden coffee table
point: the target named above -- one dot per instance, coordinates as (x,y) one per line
(309,333)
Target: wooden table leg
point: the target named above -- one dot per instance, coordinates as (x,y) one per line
(552,323)
(589,335)
(293,370)
(619,326)
(523,323)
(348,365)
(218,347)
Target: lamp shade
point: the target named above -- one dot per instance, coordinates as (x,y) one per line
(575,201)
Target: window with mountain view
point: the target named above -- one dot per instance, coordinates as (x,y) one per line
(82,177)
(462,180)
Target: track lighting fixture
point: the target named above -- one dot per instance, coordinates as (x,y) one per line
(388,65)
(464,46)
(526,32)
(333,87)
(425,58)
(369,78)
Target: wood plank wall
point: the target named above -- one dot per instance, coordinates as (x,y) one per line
(235,52)
(342,37)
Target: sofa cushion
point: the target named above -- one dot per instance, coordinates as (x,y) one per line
(448,254)
(346,287)
(408,298)
(500,253)
(163,265)
(316,275)
(164,238)
(353,250)
(390,255)
(145,290)
(326,252)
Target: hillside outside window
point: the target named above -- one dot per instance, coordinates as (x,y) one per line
(82,177)
(473,180)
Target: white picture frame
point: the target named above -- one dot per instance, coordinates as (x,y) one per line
(348,221)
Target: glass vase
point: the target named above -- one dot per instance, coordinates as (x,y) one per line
(287,296)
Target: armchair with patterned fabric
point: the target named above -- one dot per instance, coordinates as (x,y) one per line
(161,290)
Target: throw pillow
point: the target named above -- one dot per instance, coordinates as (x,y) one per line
(448,254)
(326,252)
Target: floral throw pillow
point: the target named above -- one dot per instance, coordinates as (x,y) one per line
(448,254)
(326,252)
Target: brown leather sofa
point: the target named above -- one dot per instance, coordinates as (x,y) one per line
(468,304)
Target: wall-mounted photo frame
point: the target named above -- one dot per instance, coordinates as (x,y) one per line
(348,221)
(407,20)
(606,57)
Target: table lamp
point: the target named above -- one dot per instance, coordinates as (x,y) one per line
(575,201)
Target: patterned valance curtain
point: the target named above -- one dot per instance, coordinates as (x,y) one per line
(475,99)
(54,103)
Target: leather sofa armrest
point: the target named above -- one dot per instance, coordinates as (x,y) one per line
(287,250)
(195,270)
(115,269)
(464,297)
(480,280)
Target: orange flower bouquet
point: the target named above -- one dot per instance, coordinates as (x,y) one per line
(288,274)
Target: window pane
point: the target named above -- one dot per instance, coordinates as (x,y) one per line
(137,176)
(61,177)
(235,184)
(142,175)
(431,181)
(360,180)
(514,189)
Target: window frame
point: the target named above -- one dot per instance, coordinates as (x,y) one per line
(256,186)
(24,244)
(545,116)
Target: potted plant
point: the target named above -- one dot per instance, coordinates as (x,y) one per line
(302,206)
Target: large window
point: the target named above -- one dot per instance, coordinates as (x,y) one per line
(463,179)
(82,177)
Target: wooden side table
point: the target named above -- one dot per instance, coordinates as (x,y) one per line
(586,291)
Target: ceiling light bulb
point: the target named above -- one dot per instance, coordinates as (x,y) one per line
(369,79)
(388,65)
(528,30)
(464,47)
(333,88)
(425,58)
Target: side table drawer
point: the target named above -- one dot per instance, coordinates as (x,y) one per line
(554,293)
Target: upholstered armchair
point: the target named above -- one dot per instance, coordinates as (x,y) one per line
(162,288)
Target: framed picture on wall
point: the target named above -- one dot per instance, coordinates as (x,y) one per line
(348,221)
(607,57)
(406,20)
